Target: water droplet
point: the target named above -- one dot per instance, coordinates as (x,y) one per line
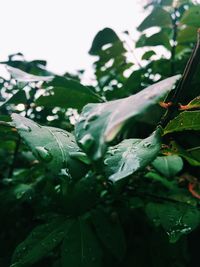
(147,144)
(86,125)
(23,127)
(156,221)
(92,117)
(43,153)
(87,141)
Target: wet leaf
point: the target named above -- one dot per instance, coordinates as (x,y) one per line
(80,247)
(169,166)
(100,123)
(50,145)
(188,120)
(131,155)
(176,220)
(41,241)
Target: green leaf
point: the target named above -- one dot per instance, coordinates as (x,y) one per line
(160,38)
(80,247)
(35,67)
(103,37)
(158,17)
(147,55)
(131,155)
(187,35)
(188,120)
(110,233)
(195,103)
(100,123)
(50,145)
(17,98)
(41,241)
(186,154)
(169,166)
(191,16)
(65,93)
(176,220)
(22,76)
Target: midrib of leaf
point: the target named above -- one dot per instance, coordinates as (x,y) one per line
(60,145)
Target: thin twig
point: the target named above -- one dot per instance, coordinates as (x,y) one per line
(180,91)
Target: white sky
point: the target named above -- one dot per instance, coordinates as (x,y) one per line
(61,31)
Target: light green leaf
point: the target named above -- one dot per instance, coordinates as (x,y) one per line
(131,155)
(169,166)
(80,247)
(191,16)
(158,17)
(176,220)
(188,120)
(65,93)
(100,123)
(110,233)
(41,241)
(50,145)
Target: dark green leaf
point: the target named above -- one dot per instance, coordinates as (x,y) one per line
(191,16)
(160,38)
(158,17)
(147,55)
(110,233)
(105,36)
(187,35)
(131,155)
(65,93)
(80,247)
(176,220)
(41,241)
(100,123)
(17,98)
(188,120)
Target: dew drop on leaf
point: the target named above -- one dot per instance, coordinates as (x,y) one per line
(87,141)
(43,153)
(23,127)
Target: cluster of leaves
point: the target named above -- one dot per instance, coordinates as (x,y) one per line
(91,175)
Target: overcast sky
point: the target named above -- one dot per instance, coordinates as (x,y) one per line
(61,31)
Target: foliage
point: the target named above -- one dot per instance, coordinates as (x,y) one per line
(105,174)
